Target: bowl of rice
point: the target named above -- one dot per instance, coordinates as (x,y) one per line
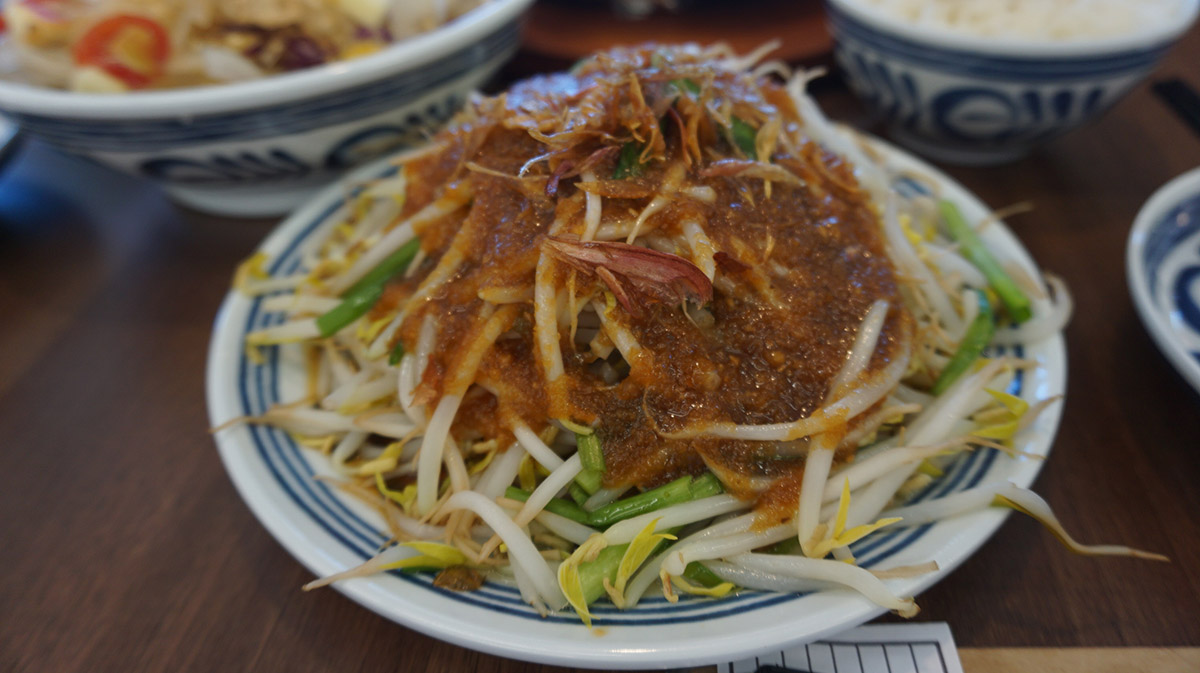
(983,82)
(233,107)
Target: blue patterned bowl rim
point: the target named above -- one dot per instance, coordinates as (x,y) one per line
(403,56)
(1169,219)
(1150,38)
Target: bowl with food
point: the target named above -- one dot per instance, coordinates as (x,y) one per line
(244,108)
(984,83)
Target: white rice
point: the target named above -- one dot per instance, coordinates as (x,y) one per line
(1049,20)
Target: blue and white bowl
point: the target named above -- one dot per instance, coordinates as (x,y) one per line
(1163,271)
(984,100)
(261,147)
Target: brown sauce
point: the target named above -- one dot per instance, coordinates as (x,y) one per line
(459,578)
(802,266)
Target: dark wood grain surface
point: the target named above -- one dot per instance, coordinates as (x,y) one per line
(124,547)
(553,28)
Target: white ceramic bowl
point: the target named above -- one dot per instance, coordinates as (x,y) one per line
(1162,264)
(261,147)
(965,99)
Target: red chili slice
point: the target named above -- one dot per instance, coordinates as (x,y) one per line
(132,48)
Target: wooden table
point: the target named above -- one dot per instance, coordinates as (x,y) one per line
(124,547)
(553,34)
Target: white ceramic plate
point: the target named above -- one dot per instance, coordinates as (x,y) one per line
(329,532)
(1162,260)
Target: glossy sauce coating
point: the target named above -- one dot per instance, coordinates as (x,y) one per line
(799,263)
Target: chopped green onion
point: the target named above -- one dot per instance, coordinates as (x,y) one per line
(979,334)
(592,573)
(590,480)
(361,296)
(606,564)
(353,307)
(629,163)
(1015,301)
(397,354)
(683,489)
(591,455)
(744,136)
(556,506)
(686,85)
(706,485)
(700,574)
(578,493)
(390,266)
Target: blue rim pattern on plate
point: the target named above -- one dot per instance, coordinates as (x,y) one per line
(258,387)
